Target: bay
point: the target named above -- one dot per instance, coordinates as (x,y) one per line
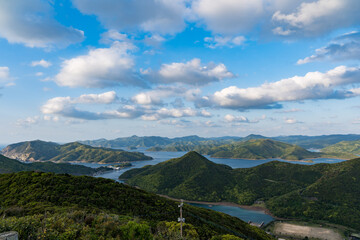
(244,214)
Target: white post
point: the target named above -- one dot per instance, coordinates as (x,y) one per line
(181,219)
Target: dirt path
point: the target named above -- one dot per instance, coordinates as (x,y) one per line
(287,229)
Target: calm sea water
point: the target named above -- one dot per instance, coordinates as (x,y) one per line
(243,214)
(163,156)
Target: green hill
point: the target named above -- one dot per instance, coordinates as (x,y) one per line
(254,149)
(48,151)
(319,192)
(352,147)
(316,142)
(50,206)
(183,178)
(8,165)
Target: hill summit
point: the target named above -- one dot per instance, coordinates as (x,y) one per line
(184,177)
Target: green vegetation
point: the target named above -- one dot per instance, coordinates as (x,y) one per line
(328,192)
(50,206)
(352,147)
(133,141)
(253,149)
(70,152)
(10,165)
(316,142)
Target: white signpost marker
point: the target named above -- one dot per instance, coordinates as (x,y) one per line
(181,219)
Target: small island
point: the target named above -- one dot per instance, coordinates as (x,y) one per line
(121,165)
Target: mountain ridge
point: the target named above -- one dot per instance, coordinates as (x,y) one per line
(255,149)
(8,165)
(304,141)
(48,151)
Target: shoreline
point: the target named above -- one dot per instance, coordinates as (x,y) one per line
(308,160)
(227,204)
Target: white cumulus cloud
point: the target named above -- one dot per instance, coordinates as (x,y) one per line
(191,73)
(42,63)
(101,67)
(334,84)
(66,105)
(317,17)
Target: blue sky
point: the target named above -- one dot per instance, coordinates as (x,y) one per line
(85,69)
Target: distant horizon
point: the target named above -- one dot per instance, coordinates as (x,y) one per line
(63,142)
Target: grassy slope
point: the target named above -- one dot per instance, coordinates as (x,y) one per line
(45,151)
(344,147)
(37,192)
(288,189)
(10,165)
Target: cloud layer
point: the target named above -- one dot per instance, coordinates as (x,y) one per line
(67,107)
(317,17)
(345,47)
(314,85)
(31,23)
(156,16)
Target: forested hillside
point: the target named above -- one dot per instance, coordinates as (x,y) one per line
(8,165)
(50,206)
(320,191)
(48,151)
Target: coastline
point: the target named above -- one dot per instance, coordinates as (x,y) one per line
(227,204)
(308,160)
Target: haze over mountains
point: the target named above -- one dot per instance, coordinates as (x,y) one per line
(316,142)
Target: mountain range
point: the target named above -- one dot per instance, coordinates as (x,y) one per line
(328,192)
(303,141)
(77,152)
(254,149)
